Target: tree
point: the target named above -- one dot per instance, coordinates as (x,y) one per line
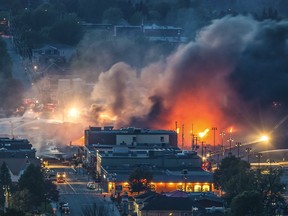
(112,15)
(66,31)
(270,186)
(5,177)
(22,200)
(233,177)
(239,183)
(51,191)
(33,180)
(247,203)
(139,180)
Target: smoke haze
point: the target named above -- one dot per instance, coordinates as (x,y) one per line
(233,73)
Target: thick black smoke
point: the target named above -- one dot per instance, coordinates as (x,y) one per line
(235,72)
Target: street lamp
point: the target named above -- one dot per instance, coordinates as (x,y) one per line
(214,130)
(230,140)
(248,153)
(6,190)
(222,134)
(259,155)
(238,144)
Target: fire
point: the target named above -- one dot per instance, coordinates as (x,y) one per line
(231,130)
(204,133)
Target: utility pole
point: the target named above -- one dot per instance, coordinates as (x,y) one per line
(182,136)
(202,150)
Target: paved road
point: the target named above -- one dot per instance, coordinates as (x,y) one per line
(80,198)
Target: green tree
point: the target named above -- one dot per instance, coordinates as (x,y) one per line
(22,200)
(139,180)
(270,186)
(5,177)
(239,182)
(66,31)
(247,203)
(233,177)
(51,191)
(33,180)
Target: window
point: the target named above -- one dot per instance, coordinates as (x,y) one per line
(197,188)
(161,139)
(206,188)
(133,139)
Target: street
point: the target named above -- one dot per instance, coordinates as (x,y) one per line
(82,201)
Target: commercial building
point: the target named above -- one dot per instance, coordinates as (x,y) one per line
(115,154)
(133,137)
(171,169)
(16,148)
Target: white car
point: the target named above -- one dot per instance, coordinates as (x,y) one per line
(91,185)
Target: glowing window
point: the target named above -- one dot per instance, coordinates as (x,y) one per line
(180,187)
(206,188)
(189,188)
(197,188)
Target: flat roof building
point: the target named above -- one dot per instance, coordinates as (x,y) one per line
(130,136)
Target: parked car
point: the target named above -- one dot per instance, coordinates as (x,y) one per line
(91,185)
(64,207)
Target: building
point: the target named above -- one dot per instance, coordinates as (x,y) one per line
(172,169)
(18,154)
(133,137)
(153,32)
(16,148)
(177,203)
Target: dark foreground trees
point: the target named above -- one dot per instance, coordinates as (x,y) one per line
(32,191)
(249,191)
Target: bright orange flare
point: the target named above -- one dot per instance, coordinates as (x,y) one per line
(202,134)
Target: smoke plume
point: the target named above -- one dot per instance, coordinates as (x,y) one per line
(235,68)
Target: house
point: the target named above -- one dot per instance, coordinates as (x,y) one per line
(177,203)
(177,206)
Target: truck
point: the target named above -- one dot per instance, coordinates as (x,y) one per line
(61,177)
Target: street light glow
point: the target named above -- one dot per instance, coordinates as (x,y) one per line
(73,112)
(264,138)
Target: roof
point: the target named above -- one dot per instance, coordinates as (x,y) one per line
(160,176)
(176,193)
(145,195)
(170,203)
(16,165)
